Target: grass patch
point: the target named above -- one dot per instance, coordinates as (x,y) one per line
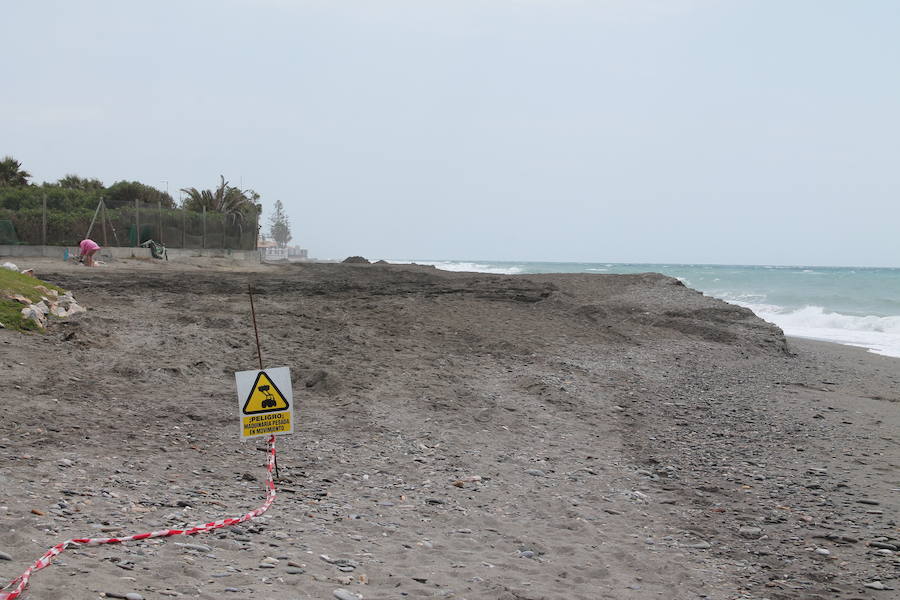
(13,283)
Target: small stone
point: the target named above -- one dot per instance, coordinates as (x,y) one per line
(751,533)
(875,585)
(65,462)
(5,556)
(882,545)
(266,566)
(535,472)
(700,546)
(884,552)
(342,594)
(294,571)
(526,554)
(269,561)
(869,502)
(133,596)
(197,547)
(823,551)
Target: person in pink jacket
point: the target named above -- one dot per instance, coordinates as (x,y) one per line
(88,249)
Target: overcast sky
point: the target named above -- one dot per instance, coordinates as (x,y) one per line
(751,132)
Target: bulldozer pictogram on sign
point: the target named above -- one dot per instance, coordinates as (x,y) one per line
(264,397)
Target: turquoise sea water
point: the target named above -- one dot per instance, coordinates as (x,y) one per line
(847,305)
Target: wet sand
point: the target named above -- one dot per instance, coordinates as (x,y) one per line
(460,436)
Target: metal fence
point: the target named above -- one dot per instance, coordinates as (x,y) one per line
(130,225)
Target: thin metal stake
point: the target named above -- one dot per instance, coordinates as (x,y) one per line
(255,328)
(259,354)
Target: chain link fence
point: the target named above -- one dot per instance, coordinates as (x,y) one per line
(129,225)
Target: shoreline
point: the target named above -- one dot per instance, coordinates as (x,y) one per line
(864,349)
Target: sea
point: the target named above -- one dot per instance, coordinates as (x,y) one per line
(856,306)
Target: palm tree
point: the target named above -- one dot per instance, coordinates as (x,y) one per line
(225,199)
(228,200)
(11,173)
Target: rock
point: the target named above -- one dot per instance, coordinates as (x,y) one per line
(535,472)
(5,556)
(876,585)
(133,596)
(823,551)
(751,533)
(33,313)
(359,260)
(197,547)
(884,546)
(342,594)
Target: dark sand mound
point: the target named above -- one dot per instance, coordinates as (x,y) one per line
(460,436)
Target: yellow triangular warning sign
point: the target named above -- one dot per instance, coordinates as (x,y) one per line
(264,397)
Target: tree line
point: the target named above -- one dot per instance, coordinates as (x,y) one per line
(73,194)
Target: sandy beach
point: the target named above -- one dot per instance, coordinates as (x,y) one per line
(459,435)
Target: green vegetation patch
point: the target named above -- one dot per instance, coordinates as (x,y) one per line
(16,284)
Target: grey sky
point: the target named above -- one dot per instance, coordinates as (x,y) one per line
(609,130)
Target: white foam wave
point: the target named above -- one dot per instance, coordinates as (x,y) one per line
(880,335)
(470,267)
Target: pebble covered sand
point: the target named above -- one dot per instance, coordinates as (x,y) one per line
(461,436)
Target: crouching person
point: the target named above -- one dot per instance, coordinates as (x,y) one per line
(88,249)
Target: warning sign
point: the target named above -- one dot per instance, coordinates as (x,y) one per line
(265,402)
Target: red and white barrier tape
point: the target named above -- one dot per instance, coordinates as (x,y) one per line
(21,582)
